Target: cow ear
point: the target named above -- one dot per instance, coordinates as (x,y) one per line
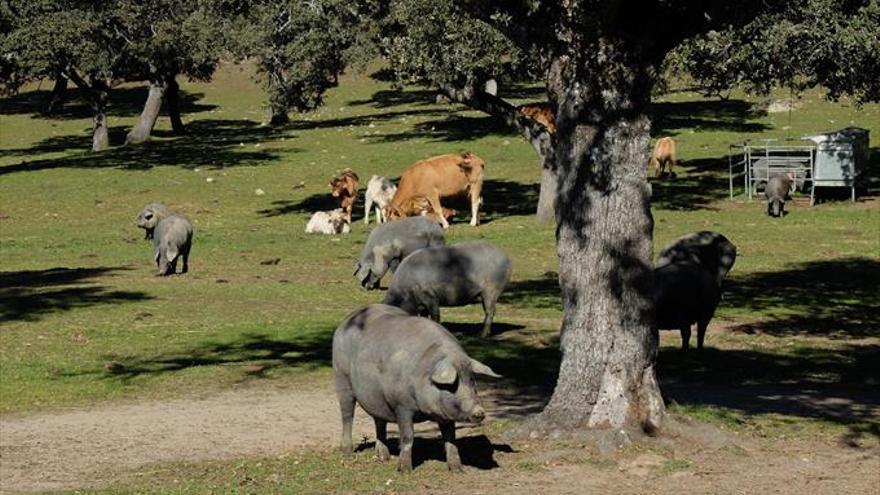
(444,373)
(171,253)
(481,369)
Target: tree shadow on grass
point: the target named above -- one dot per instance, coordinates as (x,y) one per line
(831,384)
(502,198)
(835,299)
(542,293)
(28,295)
(209,143)
(256,353)
(704,115)
(705,183)
(124,102)
(475,450)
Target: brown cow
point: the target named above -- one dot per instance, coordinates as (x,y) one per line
(664,154)
(438,177)
(541,113)
(345,187)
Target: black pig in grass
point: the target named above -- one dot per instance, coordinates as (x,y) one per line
(391,242)
(451,276)
(404,369)
(778,189)
(172,239)
(150,216)
(688,276)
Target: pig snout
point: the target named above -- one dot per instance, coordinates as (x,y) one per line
(478,414)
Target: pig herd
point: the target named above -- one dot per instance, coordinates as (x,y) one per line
(399,363)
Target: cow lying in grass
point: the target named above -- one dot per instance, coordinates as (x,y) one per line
(438,177)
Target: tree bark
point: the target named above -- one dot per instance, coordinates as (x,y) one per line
(100,135)
(172,99)
(142,130)
(279,116)
(58,95)
(604,242)
(547,194)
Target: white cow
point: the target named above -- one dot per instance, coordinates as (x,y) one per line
(329,222)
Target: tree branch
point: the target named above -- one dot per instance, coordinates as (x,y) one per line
(534,132)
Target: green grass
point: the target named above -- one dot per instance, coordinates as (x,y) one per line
(85,320)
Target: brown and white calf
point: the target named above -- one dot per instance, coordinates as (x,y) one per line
(345,187)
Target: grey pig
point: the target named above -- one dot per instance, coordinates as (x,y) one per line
(688,277)
(778,189)
(390,243)
(451,276)
(150,216)
(404,369)
(172,239)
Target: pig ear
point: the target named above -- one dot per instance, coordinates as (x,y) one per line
(481,369)
(171,253)
(444,373)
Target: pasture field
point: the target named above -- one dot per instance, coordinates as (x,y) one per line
(792,353)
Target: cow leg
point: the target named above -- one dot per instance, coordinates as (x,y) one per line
(685,336)
(475,192)
(380,214)
(382,440)
(434,201)
(701,333)
(368,205)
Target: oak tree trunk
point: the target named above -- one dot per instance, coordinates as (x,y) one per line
(141,131)
(172,99)
(279,116)
(547,193)
(58,95)
(100,133)
(604,241)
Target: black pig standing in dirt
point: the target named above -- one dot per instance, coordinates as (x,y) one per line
(688,276)
(404,369)
(451,276)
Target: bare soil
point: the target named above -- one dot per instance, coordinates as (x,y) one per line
(93,447)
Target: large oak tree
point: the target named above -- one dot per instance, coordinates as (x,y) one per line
(600,61)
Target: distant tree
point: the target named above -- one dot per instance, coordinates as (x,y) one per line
(600,61)
(299,48)
(167,38)
(77,40)
(830,43)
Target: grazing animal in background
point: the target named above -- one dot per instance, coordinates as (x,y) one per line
(438,177)
(417,206)
(150,216)
(329,222)
(542,113)
(380,191)
(778,189)
(172,239)
(688,277)
(345,187)
(389,243)
(664,155)
(404,369)
(451,276)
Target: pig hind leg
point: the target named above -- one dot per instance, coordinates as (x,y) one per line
(346,407)
(489,301)
(701,333)
(453,461)
(685,336)
(185,254)
(382,440)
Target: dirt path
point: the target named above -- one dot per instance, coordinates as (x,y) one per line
(85,447)
(92,447)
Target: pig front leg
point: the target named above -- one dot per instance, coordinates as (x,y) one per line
(453,461)
(685,336)
(405,425)
(382,440)
(701,333)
